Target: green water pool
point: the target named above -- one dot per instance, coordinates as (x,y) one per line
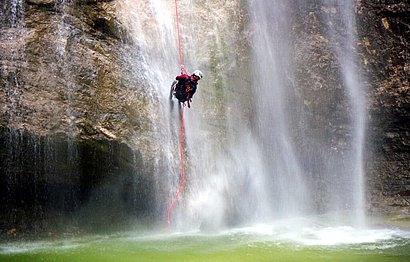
(260,243)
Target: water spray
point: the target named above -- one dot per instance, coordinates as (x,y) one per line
(182,131)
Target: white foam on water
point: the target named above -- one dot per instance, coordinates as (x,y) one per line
(292,233)
(27,247)
(331,236)
(321,235)
(38,246)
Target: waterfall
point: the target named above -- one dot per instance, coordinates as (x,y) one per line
(218,168)
(249,145)
(277,107)
(281,119)
(155,59)
(226,186)
(13,14)
(13,37)
(254,152)
(342,33)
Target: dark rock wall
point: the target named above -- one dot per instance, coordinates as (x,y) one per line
(384,29)
(62,70)
(383,47)
(55,184)
(71,119)
(325,139)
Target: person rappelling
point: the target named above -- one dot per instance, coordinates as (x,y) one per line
(185,86)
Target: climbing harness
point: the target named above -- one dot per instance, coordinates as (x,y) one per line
(182,131)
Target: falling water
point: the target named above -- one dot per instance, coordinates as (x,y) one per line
(14,37)
(155,60)
(276,107)
(65,41)
(216,180)
(243,167)
(342,32)
(280,117)
(226,183)
(13,12)
(29,191)
(244,138)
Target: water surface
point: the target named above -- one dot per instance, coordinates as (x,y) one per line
(306,241)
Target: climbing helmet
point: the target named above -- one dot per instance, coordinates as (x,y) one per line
(198,74)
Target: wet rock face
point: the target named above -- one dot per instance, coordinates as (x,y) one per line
(67,90)
(385,49)
(54,184)
(61,72)
(43,3)
(71,116)
(318,73)
(383,43)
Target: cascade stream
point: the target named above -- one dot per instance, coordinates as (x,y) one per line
(278,145)
(250,168)
(253,148)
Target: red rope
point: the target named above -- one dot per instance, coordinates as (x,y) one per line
(182,132)
(181,158)
(181,60)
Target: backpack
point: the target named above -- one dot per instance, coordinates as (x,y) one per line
(184,90)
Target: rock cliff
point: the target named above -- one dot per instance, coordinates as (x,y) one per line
(72,119)
(385,45)
(74,128)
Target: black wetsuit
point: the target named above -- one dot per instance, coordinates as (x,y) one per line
(185,88)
